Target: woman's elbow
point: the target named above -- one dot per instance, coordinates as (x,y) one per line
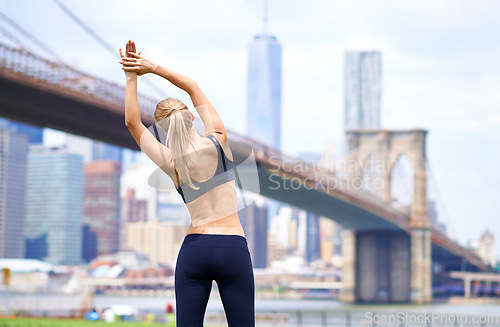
(130,123)
(192,87)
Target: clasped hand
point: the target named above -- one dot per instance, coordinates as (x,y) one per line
(133,63)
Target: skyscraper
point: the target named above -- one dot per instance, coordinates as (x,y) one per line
(101,208)
(264,95)
(313,242)
(362,78)
(54,205)
(254,222)
(264,90)
(307,234)
(311,230)
(13,157)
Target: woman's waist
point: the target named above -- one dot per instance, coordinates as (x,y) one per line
(229,225)
(221,215)
(215,240)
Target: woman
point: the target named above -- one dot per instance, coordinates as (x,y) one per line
(215,246)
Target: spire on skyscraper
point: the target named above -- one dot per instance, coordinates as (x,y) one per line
(265,18)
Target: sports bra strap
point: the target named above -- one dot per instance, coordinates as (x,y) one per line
(177,176)
(220,151)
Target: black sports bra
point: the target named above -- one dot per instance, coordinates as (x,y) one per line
(224,173)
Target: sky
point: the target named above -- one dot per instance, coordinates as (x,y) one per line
(440,72)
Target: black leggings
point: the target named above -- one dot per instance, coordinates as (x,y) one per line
(225,259)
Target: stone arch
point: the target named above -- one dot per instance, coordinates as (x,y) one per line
(401,184)
(386,147)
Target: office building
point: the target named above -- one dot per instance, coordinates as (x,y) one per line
(132,210)
(163,201)
(101,208)
(160,241)
(305,235)
(486,248)
(13,164)
(253,219)
(54,205)
(313,243)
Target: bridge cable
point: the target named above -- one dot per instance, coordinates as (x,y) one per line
(441,201)
(101,41)
(31,38)
(12,37)
(402,176)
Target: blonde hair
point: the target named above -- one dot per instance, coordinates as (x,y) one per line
(174,118)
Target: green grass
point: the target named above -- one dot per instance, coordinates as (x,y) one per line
(43,322)
(46,322)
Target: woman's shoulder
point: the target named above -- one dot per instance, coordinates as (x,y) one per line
(222,140)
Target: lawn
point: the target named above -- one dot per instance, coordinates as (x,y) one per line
(43,322)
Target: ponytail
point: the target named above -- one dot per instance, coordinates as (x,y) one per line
(175,119)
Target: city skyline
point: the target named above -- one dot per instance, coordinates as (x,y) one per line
(430,79)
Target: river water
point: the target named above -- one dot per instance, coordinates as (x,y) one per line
(335,313)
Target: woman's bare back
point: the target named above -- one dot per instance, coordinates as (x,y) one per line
(214,212)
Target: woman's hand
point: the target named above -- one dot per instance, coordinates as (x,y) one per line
(129,47)
(135,63)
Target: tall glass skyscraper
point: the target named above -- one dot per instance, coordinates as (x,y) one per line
(53,229)
(362,78)
(264,96)
(13,158)
(264,90)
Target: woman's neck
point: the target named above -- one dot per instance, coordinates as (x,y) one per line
(196,139)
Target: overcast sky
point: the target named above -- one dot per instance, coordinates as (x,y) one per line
(440,71)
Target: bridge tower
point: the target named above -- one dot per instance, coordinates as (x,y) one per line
(388,266)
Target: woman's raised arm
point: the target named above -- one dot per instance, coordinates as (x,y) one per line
(156,151)
(208,114)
